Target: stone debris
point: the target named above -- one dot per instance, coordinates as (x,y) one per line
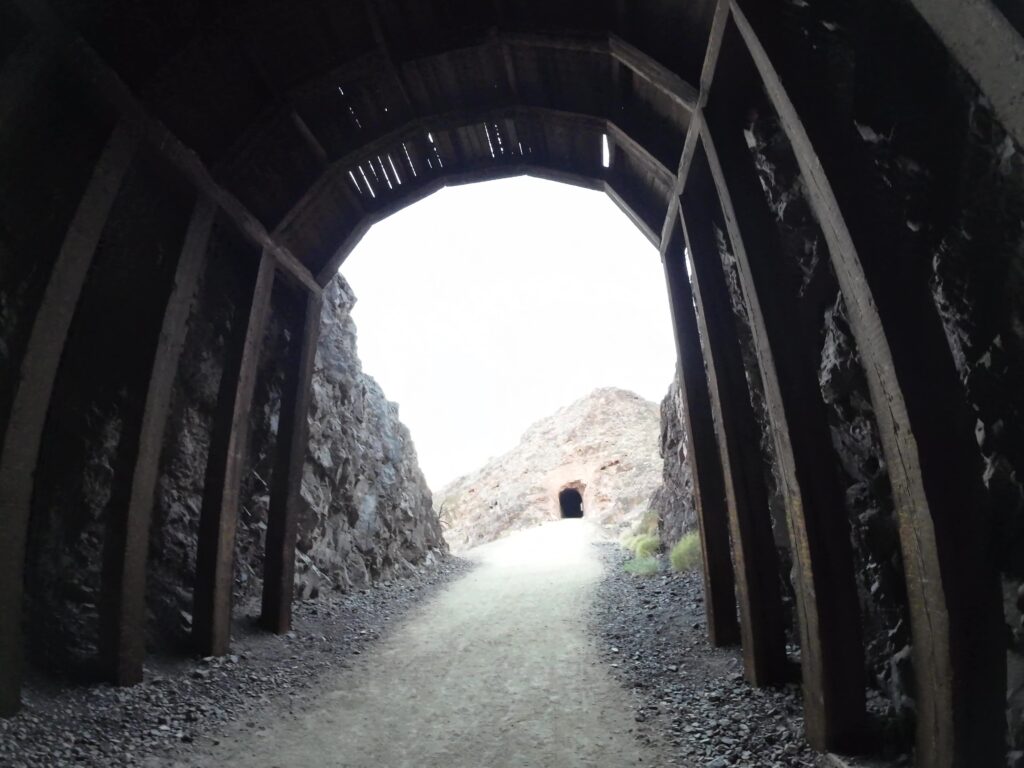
(183,702)
(690,698)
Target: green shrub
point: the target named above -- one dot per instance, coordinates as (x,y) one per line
(648,525)
(646,545)
(685,555)
(642,566)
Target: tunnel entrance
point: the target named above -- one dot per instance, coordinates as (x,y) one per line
(570,502)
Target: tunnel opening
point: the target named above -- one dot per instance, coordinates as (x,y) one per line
(570,503)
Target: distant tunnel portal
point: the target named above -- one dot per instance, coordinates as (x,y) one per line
(570,502)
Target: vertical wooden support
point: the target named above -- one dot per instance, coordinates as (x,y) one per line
(831,644)
(290,458)
(123,604)
(702,450)
(211,620)
(754,555)
(32,398)
(926,430)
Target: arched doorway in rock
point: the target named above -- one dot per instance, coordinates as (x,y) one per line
(570,502)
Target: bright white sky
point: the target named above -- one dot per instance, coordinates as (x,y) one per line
(484,308)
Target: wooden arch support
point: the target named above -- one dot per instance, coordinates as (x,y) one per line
(702,450)
(37,375)
(832,655)
(123,606)
(753,544)
(951,575)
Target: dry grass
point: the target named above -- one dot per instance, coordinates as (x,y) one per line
(642,566)
(686,554)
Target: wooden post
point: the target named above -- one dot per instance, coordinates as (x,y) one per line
(290,458)
(926,430)
(831,644)
(211,620)
(123,605)
(756,561)
(31,401)
(702,450)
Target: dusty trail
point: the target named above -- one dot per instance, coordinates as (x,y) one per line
(495,671)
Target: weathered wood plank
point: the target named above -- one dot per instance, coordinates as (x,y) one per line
(211,619)
(290,457)
(108,85)
(831,645)
(123,605)
(926,431)
(702,450)
(754,555)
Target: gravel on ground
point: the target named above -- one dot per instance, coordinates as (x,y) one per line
(183,700)
(687,694)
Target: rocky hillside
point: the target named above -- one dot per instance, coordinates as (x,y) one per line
(605,446)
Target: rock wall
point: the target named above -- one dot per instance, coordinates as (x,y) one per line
(367,512)
(673,500)
(370,511)
(367,515)
(604,445)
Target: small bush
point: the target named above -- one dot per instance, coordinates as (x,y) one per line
(642,545)
(685,555)
(642,566)
(646,545)
(648,525)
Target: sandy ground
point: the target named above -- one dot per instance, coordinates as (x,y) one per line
(497,670)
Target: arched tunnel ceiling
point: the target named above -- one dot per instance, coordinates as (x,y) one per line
(322,118)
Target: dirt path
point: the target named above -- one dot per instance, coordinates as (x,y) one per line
(497,670)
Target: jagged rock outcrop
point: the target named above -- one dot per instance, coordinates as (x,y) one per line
(673,500)
(370,510)
(368,513)
(604,445)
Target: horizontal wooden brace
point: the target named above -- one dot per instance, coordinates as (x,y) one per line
(98,75)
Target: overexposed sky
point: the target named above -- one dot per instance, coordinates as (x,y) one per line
(484,308)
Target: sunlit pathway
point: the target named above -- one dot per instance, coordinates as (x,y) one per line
(497,670)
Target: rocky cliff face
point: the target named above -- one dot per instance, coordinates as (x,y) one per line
(367,515)
(370,510)
(605,446)
(673,500)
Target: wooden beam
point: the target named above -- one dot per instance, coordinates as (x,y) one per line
(100,77)
(290,457)
(211,615)
(31,401)
(926,431)
(413,193)
(787,344)
(754,555)
(986,44)
(123,603)
(654,73)
(702,450)
(641,64)
(707,73)
(638,151)
(385,49)
(707,76)
(633,215)
(449,121)
(689,147)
